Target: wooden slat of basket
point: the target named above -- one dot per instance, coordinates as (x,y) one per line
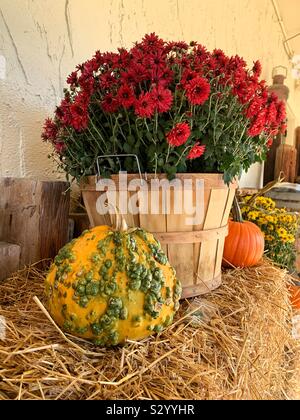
(152,222)
(214,217)
(90,197)
(220,243)
(135,217)
(180,255)
(129,218)
(191,237)
(197,246)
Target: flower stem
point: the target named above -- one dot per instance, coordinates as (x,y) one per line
(168,153)
(180,157)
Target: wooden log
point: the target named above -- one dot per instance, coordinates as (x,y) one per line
(286,162)
(9,259)
(34,214)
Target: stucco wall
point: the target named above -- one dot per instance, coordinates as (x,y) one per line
(43,40)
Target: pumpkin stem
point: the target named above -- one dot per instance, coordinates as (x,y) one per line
(119,223)
(236,211)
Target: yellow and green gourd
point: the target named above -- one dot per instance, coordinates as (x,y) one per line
(112,284)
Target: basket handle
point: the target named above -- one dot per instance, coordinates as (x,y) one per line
(117,156)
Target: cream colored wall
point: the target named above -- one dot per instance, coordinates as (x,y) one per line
(43,40)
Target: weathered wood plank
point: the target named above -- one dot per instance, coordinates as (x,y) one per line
(34,214)
(286,162)
(9,259)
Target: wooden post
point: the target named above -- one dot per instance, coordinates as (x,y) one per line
(9,259)
(34,214)
(269,166)
(297,144)
(286,162)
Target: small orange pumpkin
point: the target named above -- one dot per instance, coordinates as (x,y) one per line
(295,296)
(244,245)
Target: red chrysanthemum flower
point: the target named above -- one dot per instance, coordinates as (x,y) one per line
(156,59)
(107,80)
(121,59)
(220,57)
(272,113)
(145,106)
(179,134)
(196,151)
(79,116)
(184,61)
(126,96)
(187,76)
(90,66)
(60,147)
(257,68)
(87,85)
(63,113)
(73,79)
(281,112)
(283,129)
(162,76)
(200,51)
(177,45)
(197,91)
(141,73)
(110,103)
(162,99)
(50,130)
(258,124)
(152,41)
(128,77)
(254,107)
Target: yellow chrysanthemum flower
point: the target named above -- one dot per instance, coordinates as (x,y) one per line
(245,209)
(281,232)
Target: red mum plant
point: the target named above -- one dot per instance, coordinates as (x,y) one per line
(156,100)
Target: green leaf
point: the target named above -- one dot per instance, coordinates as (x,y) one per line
(160,134)
(131,140)
(149,136)
(127,148)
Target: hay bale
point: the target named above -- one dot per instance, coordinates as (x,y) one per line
(241,348)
